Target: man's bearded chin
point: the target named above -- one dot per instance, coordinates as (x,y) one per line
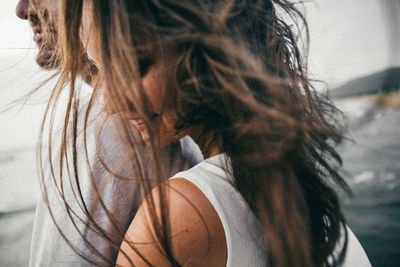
(48,56)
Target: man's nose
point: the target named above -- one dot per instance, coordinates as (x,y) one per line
(24,9)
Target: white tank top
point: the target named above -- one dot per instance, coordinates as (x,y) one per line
(243,232)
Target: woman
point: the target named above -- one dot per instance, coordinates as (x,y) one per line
(228,73)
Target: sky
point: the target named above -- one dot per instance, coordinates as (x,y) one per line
(15,33)
(19,74)
(349,38)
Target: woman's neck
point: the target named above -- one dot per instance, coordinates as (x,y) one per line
(206,144)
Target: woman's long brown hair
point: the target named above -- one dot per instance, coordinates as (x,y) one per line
(234,67)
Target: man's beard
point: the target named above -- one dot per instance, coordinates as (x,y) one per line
(48,56)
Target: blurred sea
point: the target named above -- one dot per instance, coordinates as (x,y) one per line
(19,128)
(18,194)
(371,167)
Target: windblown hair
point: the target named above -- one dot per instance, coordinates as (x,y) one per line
(234,67)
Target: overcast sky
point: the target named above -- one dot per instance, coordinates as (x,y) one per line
(348,37)
(14,32)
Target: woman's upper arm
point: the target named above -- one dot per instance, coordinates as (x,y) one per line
(197,236)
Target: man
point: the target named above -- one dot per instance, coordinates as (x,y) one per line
(75,238)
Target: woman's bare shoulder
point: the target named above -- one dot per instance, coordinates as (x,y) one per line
(197,235)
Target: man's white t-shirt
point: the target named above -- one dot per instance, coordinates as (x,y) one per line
(106,150)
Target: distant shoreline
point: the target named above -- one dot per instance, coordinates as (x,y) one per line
(390,100)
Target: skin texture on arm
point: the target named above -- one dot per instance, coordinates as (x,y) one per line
(197,236)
